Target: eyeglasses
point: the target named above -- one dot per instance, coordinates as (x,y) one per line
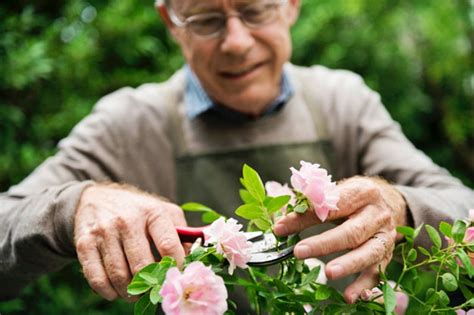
(213,24)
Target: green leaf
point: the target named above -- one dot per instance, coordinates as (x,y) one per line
(466,261)
(322,293)
(445,228)
(144,306)
(247,197)
(449,282)
(195,207)
(148,277)
(412,255)
(301,207)
(137,288)
(250,212)
(277,203)
(209,217)
(458,231)
(424,251)
(434,236)
(406,231)
(262,224)
(443,298)
(311,276)
(417,231)
(253,183)
(389,298)
(155,296)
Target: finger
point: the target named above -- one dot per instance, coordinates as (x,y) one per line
(115,263)
(176,214)
(165,237)
(370,253)
(350,234)
(355,194)
(137,249)
(367,280)
(93,269)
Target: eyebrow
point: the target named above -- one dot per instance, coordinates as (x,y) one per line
(206,6)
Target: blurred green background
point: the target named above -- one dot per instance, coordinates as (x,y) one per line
(57,58)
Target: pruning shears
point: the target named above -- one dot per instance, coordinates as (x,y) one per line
(266,250)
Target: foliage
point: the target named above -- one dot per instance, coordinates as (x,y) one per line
(295,288)
(58,58)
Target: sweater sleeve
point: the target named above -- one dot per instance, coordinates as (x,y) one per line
(36,233)
(368,141)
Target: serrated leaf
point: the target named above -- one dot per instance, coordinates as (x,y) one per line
(424,251)
(434,236)
(449,282)
(195,207)
(458,230)
(155,296)
(389,298)
(445,228)
(311,276)
(322,293)
(277,203)
(210,217)
(148,277)
(262,224)
(406,231)
(137,288)
(412,255)
(144,306)
(250,212)
(253,183)
(300,208)
(247,197)
(417,231)
(466,261)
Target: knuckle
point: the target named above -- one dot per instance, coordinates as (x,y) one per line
(98,283)
(119,278)
(357,235)
(166,245)
(83,244)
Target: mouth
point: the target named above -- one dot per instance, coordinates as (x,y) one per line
(241,73)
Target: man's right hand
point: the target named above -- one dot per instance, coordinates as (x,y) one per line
(113,228)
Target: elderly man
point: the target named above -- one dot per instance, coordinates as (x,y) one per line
(237,100)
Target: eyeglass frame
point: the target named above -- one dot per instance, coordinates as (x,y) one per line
(184,23)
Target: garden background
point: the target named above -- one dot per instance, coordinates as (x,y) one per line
(57,58)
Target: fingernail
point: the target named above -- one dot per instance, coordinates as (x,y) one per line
(366,294)
(302,251)
(336,271)
(280,229)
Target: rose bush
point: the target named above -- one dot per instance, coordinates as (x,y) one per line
(300,286)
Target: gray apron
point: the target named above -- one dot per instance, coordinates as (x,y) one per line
(210,175)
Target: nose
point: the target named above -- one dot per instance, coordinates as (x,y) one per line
(237,40)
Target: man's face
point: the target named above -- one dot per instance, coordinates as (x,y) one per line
(241,68)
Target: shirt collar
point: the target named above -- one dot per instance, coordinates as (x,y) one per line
(197,101)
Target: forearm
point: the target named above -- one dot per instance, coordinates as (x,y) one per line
(36,234)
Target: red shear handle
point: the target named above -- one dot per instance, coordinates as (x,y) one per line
(189,234)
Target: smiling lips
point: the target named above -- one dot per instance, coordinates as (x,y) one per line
(241,73)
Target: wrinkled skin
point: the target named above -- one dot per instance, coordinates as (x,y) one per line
(367,208)
(113,232)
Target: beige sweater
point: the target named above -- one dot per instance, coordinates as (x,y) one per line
(127,139)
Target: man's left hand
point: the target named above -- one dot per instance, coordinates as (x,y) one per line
(370,209)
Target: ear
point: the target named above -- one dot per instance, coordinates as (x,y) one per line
(294,11)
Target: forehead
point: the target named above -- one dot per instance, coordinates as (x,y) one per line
(193,6)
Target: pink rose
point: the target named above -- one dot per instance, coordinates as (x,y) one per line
(316,185)
(230,242)
(469,235)
(195,291)
(463,312)
(275,189)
